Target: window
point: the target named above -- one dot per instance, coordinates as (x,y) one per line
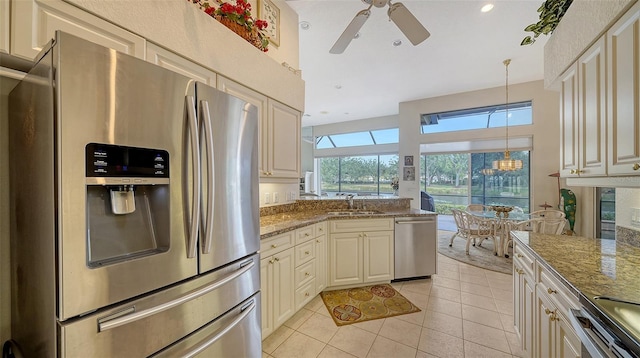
(362,175)
(476,118)
(606,204)
(456,180)
(381,136)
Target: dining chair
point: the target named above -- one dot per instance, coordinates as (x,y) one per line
(551,226)
(525,225)
(473,228)
(555,214)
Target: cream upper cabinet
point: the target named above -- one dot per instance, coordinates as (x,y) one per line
(4,26)
(623,45)
(33,24)
(281,142)
(583,115)
(169,60)
(569,121)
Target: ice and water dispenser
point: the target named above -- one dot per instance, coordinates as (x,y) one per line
(128,202)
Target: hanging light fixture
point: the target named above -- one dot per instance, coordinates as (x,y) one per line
(507,164)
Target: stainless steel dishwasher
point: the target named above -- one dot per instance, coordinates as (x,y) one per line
(416,246)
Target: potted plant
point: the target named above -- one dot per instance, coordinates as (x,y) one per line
(551,12)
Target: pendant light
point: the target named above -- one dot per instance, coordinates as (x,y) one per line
(507,164)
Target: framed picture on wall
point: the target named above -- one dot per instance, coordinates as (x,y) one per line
(408,160)
(270,13)
(409,174)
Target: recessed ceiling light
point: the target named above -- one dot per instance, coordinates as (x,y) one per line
(397,43)
(305,25)
(337,86)
(357,35)
(324,112)
(487,8)
(307,115)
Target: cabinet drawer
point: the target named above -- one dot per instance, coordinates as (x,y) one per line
(356,225)
(320,229)
(524,258)
(305,294)
(557,293)
(305,234)
(305,252)
(276,244)
(305,273)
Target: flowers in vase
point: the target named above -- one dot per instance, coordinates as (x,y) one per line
(239,15)
(395,183)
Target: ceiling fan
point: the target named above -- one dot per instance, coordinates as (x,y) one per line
(398,13)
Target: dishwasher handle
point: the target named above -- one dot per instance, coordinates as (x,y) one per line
(424,221)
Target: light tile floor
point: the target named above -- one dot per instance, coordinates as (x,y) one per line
(465,312)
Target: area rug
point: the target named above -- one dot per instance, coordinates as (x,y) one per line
(480,256)
(361,304)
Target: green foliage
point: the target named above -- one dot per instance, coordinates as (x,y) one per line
(445,208)
(551,12)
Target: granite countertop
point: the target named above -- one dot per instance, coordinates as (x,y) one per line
(591,267)
(271,225)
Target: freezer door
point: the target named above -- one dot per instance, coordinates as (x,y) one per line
(104,96)
(150,324)
(236,334)
(230,195)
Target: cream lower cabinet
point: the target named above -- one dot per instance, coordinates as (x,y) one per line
(360,251)
(322,249)
(277,263)
(541,308)
(34,22)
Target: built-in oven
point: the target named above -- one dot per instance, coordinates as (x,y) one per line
(607,327)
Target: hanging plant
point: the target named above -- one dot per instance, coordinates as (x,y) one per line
(551,12)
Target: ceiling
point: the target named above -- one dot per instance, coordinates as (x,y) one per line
(464,53)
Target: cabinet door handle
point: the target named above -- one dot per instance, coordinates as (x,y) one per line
(636,166)
(549,312)
(318,241)
(273,246)
(320,229)
(306,252)
(550,291)
(307,274)
(306,294)
(554,317)
(277,259)
(519,271)
(306,234)
(271,261)
(576,171)
(519,256)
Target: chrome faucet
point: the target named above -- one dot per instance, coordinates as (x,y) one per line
(350,201)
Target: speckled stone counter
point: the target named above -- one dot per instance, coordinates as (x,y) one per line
(588,266)
(284,218)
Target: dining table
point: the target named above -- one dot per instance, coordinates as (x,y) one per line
(501,220)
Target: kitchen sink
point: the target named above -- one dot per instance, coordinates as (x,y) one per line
(353,212)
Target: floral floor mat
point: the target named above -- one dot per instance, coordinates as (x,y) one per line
(361,304)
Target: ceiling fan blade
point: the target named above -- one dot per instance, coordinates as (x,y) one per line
(350,32)
(407,23)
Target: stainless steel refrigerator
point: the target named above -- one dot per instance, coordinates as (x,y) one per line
(134,221)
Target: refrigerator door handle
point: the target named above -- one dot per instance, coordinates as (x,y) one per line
(208,135)
(205,343)
(195,159)
(126,319)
